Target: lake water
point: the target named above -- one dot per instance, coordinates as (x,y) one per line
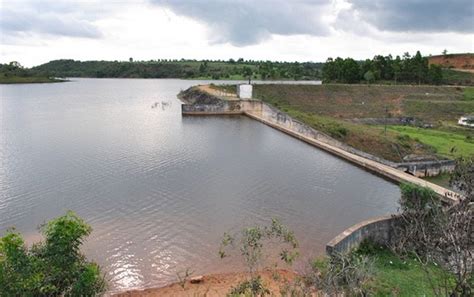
(160,189)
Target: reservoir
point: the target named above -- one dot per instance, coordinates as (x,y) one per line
(159,189)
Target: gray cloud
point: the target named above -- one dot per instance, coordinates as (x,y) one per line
(415,15)
(245,22)
(47,18)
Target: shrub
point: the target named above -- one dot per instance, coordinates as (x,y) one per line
(251,243)
(54,267)
(252,287)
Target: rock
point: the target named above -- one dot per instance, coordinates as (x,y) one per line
(196,279)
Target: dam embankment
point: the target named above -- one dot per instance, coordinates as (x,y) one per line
(201,103)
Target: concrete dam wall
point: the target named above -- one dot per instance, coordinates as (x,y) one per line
(379,230)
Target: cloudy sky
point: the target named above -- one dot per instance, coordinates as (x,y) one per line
(34,32)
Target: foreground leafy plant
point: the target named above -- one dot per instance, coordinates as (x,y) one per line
(54,267)
(251,242)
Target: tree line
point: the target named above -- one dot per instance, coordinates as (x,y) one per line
(14,69)
(163,68)
(407,69)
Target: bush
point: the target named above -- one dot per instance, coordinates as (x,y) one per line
(252,287)
(54,267)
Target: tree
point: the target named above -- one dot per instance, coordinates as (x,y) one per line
(396,68)
(438,235)
(329,70)
(54,267)
(463,177)
(369,77)
(420,66)
(251,245)
(350,71)
(435,74)
(130,59)
(445,52)
(247,72)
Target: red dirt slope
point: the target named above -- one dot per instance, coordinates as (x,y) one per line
(456,61)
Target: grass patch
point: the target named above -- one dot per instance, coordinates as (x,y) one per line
(27,79)
(433,111)
(401,277)
(453,77)
(468,94)
(362,101)
(329,108)
(448,144)
(441,180)
(326,108)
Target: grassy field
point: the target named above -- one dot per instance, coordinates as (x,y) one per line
(448,144)
(333,108)
(453,77)
(362,101)
(468,94)
(27,80)
(442,180)
(337,110)
(392,275)
(402,277)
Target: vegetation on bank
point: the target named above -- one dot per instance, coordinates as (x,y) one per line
(381,69)
(451,144)
(396,275)
(406,69)
(14,73)
(421,120)
(389,70)
(454,77)
(54,267)
(188,69)
(468,94)
(28,80)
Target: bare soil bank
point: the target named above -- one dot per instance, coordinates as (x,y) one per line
(456,61)
(215,285)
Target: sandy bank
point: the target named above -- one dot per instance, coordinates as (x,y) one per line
(214,285)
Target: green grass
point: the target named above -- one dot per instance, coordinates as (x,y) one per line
(441,180)
(330,108)
(27,80)
(448,144)
(453,77)
(468,93)
(432,111)
(403,277)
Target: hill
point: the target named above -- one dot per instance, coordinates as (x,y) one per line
(464,62)
(421,120)
(189,69)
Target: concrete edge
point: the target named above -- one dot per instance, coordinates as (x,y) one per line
(341,236)
(338,242)
(378,168)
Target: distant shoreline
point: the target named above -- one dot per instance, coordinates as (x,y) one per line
(29,80)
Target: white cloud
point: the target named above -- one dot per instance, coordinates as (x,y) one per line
(94,30)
